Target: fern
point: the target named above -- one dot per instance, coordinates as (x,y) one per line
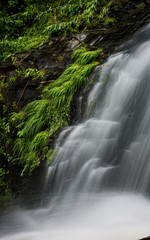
(41,119)
(40,141)
(72,15)
(87,57)
(31,28)
(105,10)
(77,52)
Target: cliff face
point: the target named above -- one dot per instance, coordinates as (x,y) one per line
(55,54)
(26,73)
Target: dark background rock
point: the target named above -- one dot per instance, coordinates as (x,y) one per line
(145,238)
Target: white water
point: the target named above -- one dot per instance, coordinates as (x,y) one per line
(97,186)
(105,216)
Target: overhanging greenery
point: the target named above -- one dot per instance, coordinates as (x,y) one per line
(36,21)
(39,121)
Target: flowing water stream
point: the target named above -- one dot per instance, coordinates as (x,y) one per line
(98,186)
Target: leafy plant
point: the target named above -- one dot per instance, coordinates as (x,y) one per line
(40,120)
(5,143)
(39,20)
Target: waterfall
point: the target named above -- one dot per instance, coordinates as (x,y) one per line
(114,144)
(98,185)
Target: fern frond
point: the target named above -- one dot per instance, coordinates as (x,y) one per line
(87,57)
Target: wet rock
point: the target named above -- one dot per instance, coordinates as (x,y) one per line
(7,67)
(145,238)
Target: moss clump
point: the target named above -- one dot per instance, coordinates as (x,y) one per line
(39,121)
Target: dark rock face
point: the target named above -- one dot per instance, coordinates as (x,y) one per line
(145,238)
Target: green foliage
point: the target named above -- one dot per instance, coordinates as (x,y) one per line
(77,52)
(25,25)
(3,179)
(33,73)
(40,120)
(5,143)
(105,10)
(37,20)
(75,15)
(87,57)
(9,47)
(6,82)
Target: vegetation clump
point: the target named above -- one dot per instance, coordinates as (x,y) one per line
(27,24)
(40,120)
(5,156)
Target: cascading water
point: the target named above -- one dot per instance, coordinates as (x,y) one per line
(99,181)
